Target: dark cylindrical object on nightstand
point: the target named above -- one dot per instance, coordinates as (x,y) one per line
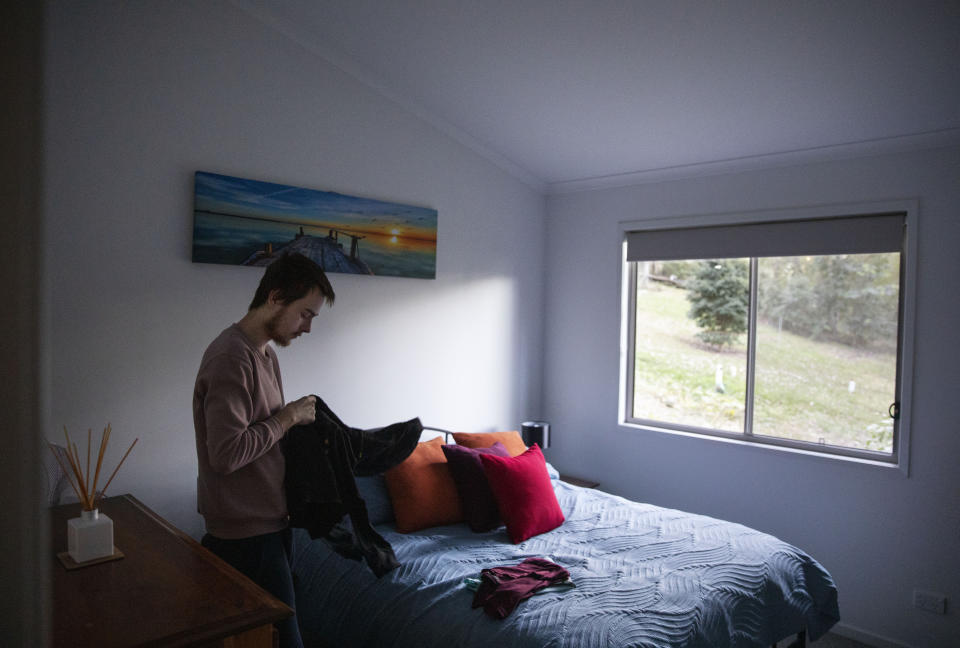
(536,432)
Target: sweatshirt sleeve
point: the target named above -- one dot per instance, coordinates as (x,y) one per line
(234,436)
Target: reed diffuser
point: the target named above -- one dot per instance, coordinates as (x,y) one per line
(90,536)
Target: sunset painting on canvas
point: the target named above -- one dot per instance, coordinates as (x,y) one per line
(249,222)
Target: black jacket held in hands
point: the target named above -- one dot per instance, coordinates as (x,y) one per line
(322,459)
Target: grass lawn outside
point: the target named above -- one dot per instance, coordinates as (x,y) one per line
(805,389)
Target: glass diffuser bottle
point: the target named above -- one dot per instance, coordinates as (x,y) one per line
(90,536)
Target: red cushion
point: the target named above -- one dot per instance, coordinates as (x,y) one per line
(524,493)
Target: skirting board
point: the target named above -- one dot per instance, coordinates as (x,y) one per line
(852,632)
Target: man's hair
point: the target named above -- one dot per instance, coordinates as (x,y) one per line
(294,275)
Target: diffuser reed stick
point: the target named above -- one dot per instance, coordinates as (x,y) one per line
(85,489)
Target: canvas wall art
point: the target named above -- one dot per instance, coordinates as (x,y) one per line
(248,222)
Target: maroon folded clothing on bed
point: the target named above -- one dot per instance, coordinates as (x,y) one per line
(502,588)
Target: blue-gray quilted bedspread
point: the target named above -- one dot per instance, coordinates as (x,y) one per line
(645,576)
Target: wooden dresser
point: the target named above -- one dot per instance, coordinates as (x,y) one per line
(167,590)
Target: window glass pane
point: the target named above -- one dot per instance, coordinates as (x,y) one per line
(826,349)
(691,343)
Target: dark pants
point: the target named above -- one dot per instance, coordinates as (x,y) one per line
(266,560)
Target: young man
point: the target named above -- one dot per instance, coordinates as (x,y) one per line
(239,416)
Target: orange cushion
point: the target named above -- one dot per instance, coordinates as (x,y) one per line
(511,440)
(422,491)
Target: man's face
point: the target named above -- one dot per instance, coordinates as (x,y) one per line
(293,319)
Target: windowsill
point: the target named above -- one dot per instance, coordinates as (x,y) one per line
(886,465)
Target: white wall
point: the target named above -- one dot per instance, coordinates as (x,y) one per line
(879,533)
(139,95)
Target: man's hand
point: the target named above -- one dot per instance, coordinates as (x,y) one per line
(299,412)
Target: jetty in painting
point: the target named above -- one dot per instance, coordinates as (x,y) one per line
(326,251)
(252,223)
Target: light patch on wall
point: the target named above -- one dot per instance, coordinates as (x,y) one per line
(447,355)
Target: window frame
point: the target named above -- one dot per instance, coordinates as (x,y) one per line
(899,457)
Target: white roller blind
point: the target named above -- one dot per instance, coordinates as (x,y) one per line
(849,235)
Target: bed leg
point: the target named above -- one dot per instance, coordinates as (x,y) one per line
(799,642)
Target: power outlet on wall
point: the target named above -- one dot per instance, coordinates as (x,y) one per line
(930,601)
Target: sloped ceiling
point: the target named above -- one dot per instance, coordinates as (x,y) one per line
(563,93)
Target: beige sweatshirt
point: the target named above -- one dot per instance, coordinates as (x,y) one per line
(236,397)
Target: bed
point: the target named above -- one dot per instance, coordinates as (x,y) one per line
(644,576)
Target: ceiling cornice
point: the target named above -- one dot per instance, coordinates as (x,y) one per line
(871,148)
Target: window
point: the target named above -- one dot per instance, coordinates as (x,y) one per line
(778,330)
